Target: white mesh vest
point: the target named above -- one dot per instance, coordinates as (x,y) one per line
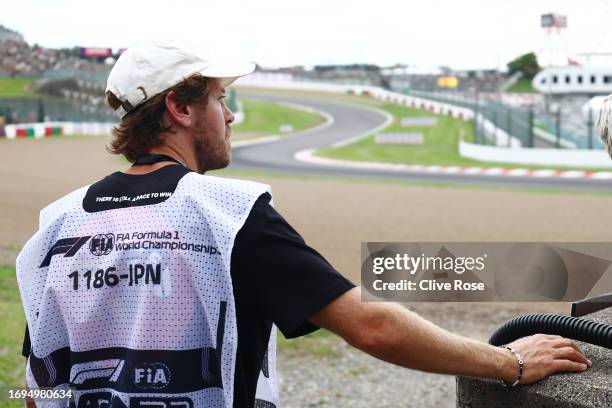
(134,307)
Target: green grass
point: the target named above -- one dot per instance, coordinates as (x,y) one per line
(321,343)
(15,87)
(440,142)
(357,371)
(440,147)
(522,86)
(12,326)
(263,118)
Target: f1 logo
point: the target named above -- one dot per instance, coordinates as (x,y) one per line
(67,246)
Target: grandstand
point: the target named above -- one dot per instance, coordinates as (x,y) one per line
(7,34)
(20,59)
(399,78)
(405,79)
(68,85)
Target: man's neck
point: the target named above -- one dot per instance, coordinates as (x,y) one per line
(171,151)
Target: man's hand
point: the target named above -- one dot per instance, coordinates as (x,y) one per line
(544,355)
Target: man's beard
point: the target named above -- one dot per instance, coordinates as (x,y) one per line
(210,155)
(208,158)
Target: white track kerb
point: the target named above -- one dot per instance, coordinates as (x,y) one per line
(309,157)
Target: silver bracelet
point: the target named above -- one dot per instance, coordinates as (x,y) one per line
(520,361)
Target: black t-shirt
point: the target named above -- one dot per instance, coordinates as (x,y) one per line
(277,278)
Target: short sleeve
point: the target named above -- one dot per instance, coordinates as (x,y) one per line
(274,271)
(27,345)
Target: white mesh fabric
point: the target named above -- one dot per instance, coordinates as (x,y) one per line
(180,312)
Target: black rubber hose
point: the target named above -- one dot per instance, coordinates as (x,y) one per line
(571,327)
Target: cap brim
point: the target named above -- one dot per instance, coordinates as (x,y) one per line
(228,72)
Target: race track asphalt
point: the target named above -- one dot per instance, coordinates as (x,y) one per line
(352,120)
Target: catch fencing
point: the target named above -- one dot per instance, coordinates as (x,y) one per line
(531,127)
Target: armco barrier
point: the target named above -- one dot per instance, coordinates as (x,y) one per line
(51,129)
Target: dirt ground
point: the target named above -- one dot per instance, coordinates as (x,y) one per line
(334,217)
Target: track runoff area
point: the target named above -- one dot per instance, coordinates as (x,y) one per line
(344,146)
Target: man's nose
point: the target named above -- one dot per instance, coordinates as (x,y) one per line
(229,115)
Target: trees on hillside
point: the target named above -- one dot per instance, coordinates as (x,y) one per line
(526,63)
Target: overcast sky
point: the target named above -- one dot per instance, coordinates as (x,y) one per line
(461,34)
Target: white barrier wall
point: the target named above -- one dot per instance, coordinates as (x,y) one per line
(541,156)
(40,130)
(49,129)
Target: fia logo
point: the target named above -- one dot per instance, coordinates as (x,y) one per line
(101,244)
(151,375)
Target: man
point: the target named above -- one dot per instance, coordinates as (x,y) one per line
(160,285)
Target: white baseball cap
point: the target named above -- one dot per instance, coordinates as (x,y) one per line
(150,67)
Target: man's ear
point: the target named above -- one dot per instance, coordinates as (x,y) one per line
(178,113)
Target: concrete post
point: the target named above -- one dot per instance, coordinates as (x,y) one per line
(591,389)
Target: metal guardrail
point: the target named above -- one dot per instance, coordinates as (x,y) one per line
(21,110)
(99,76)
(531,128)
